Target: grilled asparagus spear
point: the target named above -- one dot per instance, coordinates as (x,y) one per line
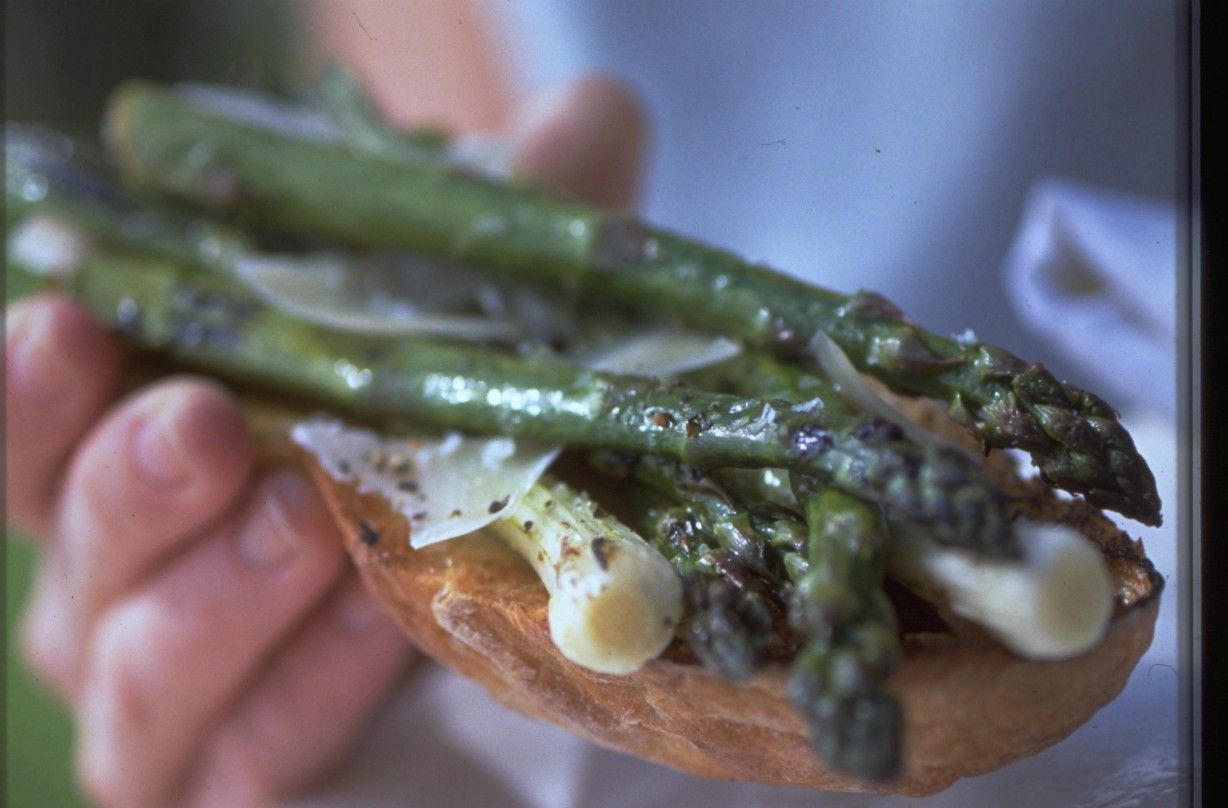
(837,604)
(837,680)
(842,713)
(733,610)
(316,181)
(213,322)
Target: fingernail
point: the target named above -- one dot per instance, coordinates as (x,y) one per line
(358,610)
(157,449)
(270,539)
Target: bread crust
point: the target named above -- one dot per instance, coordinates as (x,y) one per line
(970,705)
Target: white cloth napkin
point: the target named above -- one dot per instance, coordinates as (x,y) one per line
(1091,269)
(1095,271)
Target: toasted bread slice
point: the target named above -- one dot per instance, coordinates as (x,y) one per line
(970,705)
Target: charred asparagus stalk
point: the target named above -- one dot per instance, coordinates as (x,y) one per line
(866,452)
(212,322)
(733,590)
(838,603)
(837,679)
(729,523)
(235,163)
(733,610)
(1052,602)
(47,176)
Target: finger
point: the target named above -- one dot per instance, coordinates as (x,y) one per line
(589,140)
(170,657)
(296,723)
(45,649)
(60,370)
(166,464)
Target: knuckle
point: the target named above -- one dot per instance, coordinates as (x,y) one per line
(128,697)
(118,677)
(46,652)
(112,781)
(137,657)
(103,784)
(112,784)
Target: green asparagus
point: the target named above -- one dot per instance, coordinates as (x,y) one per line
(838,601)
(203,153)
(46,174)
(210,321)
(837,680)
(765,489)
(733,593)
(734,612)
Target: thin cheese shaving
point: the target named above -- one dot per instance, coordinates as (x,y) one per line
(836,365)
(324,289)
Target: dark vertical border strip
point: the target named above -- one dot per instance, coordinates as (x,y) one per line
(4,699)
(1190,318)
(1208,453)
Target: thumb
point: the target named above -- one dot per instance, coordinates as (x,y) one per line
(588,139)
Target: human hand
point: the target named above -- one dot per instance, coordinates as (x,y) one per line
(194,609)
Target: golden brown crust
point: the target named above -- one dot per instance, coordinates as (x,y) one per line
(971,706)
